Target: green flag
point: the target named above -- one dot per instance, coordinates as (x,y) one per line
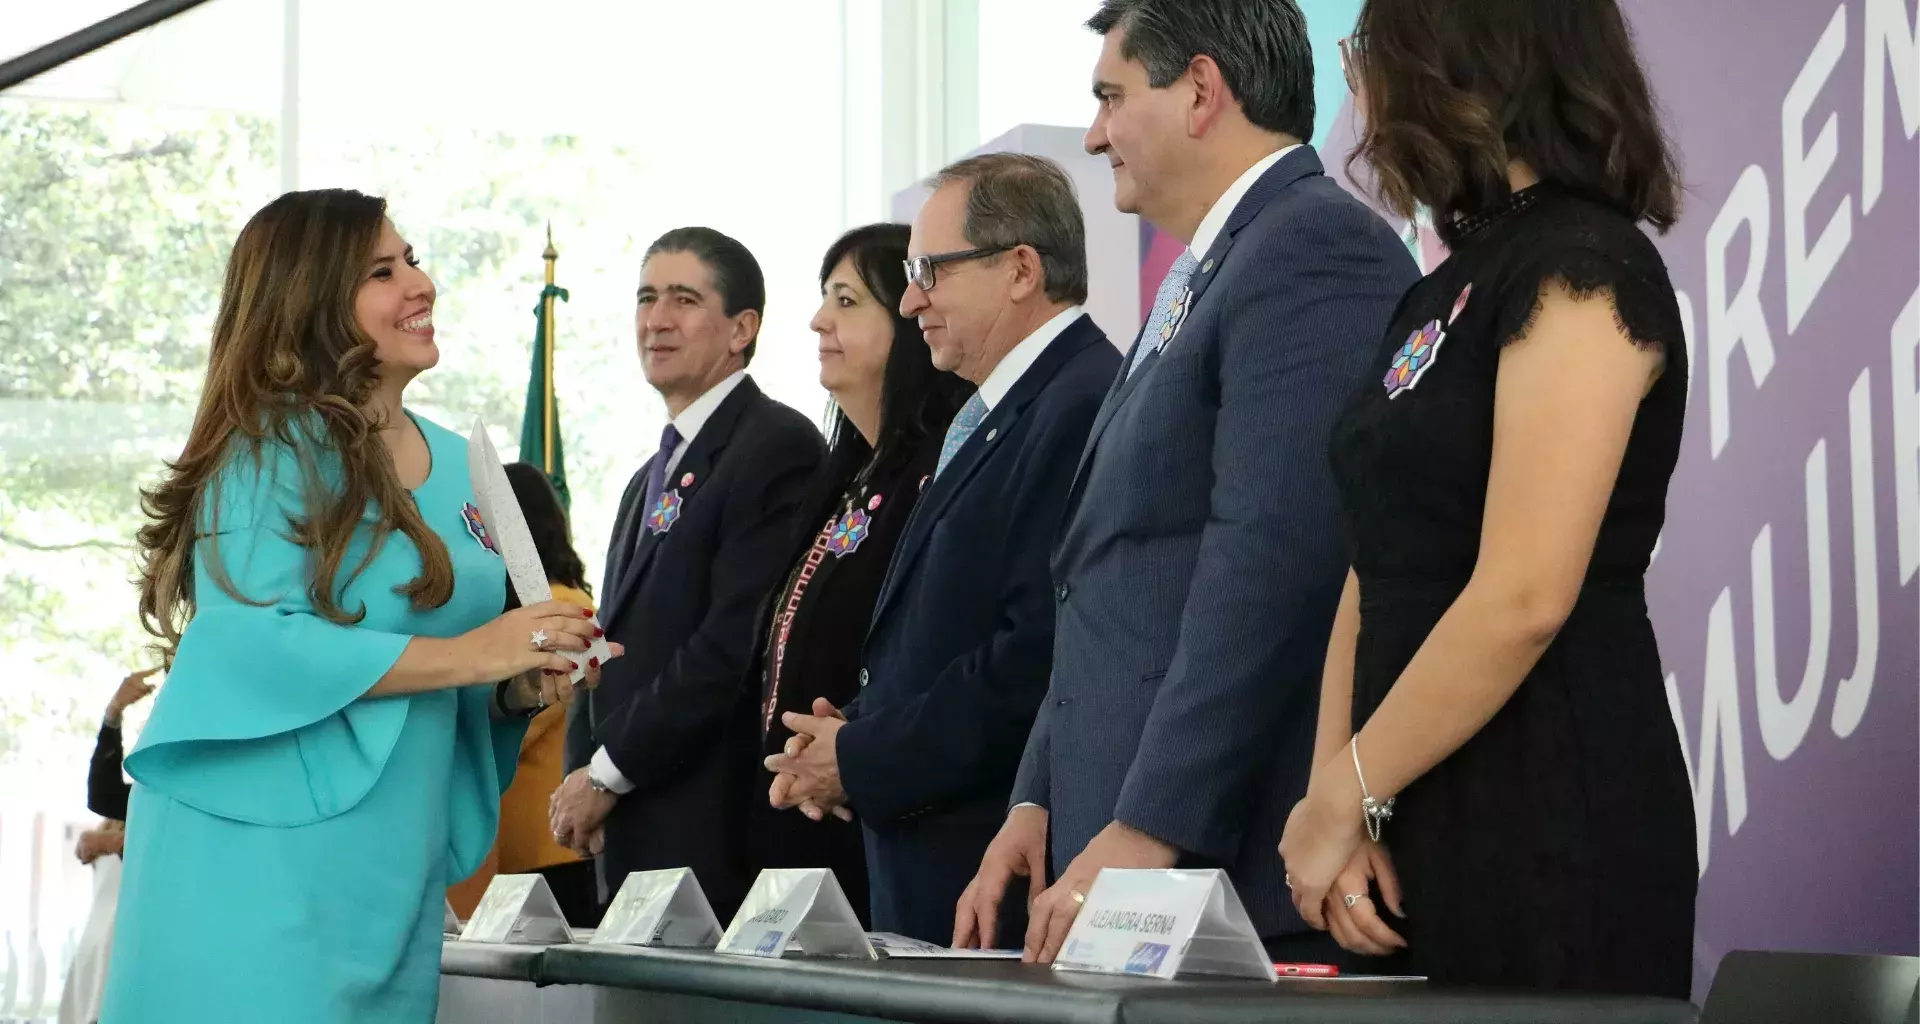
(540,426)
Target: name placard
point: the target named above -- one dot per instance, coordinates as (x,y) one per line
(660,908)
(450,922)
(1164,924)
(518,909)
(507,532)
(803,904)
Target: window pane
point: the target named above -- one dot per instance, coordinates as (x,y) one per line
(1036,64)
(126,176)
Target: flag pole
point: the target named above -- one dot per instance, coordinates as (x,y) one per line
(546,301)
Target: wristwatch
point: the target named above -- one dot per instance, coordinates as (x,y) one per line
(598,786)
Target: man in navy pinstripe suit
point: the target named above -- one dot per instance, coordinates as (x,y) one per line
(1201,556)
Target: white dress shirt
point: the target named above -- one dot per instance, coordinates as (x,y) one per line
(688,424)
(1216,219)
(1015,363)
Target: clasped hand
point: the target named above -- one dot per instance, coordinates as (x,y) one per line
(807,771)
(1330,863)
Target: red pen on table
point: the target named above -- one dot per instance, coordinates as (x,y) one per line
(1307,970)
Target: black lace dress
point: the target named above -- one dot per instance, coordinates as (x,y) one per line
(1555,849)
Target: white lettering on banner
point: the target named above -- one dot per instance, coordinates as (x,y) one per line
(1680,731)
(1850,694)
(1720,739)
(1802,169)
(1735,320)
(1784,723)
(1905,341)
(1891,48)
(1738,321)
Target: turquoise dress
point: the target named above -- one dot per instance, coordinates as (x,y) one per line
(290,841)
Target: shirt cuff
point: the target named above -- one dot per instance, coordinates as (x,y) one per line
(602,770)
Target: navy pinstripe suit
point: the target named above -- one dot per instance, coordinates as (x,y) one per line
(1202,556)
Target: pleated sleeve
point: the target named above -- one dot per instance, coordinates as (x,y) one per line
(262,718)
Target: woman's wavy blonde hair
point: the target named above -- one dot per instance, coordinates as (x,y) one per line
(289,363)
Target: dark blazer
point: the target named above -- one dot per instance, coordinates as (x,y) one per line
(683,602)
(957,656)
(107,788)
(1202,556)
(822,659)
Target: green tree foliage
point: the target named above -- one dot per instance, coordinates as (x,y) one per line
(115,225)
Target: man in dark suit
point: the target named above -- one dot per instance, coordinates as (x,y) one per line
(957,656)
(1202,558)
(655,754)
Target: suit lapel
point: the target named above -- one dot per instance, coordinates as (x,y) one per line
(620,546)
(943,489)
(1301,163)
(1110,404)
(688,479)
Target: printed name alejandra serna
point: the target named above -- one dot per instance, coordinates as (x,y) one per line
(1131,921)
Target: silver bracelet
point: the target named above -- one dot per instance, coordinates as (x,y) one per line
(1375,812)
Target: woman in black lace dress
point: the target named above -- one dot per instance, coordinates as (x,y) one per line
(1492,681)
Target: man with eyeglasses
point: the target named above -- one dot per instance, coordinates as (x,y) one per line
(961,644)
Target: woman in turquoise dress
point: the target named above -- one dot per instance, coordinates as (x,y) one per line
(346,700)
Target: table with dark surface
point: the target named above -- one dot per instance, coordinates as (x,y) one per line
(625,983)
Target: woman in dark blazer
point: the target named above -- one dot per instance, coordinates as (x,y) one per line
(891,410)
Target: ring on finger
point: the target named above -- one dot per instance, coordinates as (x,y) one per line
(1353,897)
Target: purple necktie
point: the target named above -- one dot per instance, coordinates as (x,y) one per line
(657,477)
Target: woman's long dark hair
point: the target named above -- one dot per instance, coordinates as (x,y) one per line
(547,521)
(1455,90)
(917,401)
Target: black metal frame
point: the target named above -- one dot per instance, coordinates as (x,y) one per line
(95,36)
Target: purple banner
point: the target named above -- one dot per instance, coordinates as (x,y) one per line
(1784,590)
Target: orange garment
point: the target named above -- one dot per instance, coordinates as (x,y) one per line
(525,840)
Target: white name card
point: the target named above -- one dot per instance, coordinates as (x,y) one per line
(806,904)
(1164,924)
(506,528)
(450,924)
(660,908)
(518,909)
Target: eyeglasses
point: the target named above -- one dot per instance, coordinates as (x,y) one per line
(1353,49)
(921,269)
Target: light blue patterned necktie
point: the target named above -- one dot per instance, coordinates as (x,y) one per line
(965,422)
(1165,318)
